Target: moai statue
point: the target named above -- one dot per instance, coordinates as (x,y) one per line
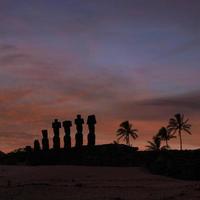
(36,146)
(45,140)
(56,125)
(79,127)
(28,149)
(91,121)
(67,138)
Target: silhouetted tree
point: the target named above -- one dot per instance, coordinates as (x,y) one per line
(179,124)
(165,135)
(19,150)
(115,142)
(126,132)
(155,144)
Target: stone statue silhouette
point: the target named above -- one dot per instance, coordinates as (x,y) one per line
(67,138)
(56,125)
(79,127)
(45,140)
(36,146)
(91,121)
(28,149)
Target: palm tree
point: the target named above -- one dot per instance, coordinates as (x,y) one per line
(165,135)
(126,131)
(179,124)
(155,144)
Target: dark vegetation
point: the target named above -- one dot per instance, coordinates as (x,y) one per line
(178,164)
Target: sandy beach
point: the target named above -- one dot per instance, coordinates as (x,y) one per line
(80,182)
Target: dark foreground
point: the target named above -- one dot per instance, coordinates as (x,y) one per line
(99,183)
(177,164)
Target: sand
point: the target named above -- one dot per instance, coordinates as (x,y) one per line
(79,182)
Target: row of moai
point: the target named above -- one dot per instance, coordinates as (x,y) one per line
(56,125)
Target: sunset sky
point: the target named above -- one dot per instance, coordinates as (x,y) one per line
(136,60)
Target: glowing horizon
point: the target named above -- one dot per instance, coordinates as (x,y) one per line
(120,60)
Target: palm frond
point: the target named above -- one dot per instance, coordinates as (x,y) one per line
(179,124)
(186,130)
(126,131)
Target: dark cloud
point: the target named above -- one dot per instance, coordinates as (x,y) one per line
(7,47)
(11,59)
(14,139)
(160,108)
(190,101)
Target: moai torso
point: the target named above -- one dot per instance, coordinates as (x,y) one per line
(45,133)
(91,121)
(56,125)
(79,124)
(45,140)
(79,135)
(67,138)
(37,146)
(67,127)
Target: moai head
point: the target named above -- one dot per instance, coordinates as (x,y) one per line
(45,133)
(79,124)
(79,119)
(67,124)
(78,116)
(91,119)
(56,124)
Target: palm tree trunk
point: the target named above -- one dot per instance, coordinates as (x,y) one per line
(127,141)
(180,137)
